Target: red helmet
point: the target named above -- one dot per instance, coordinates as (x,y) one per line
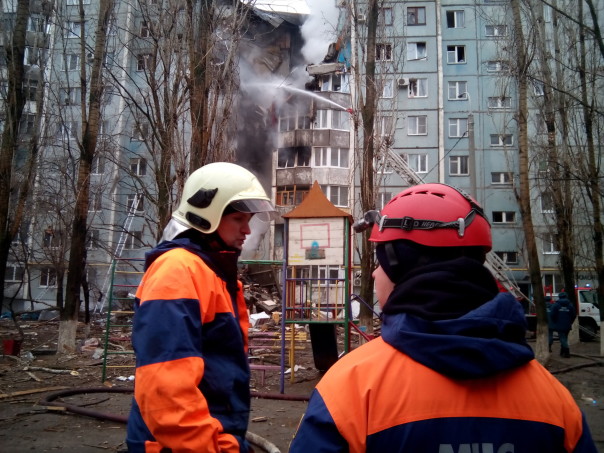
(434,215)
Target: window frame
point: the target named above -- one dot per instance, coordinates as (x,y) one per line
(457,84)
(502,179)
(420,86)
(414,50)
(383,51)
(418,162)
(457,164)
(414,126)
(454,13)
(503,217)
(502,140)
(48,277)
(419,15)
(457,124)
(456,50)
(499,102)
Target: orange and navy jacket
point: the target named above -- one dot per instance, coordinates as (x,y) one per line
(444,386)
(190,338)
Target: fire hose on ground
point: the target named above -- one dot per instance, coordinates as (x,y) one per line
(49,401)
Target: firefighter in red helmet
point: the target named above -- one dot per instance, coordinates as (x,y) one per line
(451,369)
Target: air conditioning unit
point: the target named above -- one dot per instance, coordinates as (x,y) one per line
(402,82)
(361,18)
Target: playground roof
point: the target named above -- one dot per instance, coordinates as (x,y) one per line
(316,204)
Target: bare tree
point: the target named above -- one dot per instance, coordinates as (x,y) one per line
(14,104)
(90,112)
(523,191)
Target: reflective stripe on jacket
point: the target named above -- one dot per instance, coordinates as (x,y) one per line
(378,399)
(192,377)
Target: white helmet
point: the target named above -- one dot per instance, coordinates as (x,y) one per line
(210,189)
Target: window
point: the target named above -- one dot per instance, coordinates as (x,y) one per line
(385,16)
(550,246)
(502,140)
(74,28)
(540,124)
(138,166)
(77,2)
(36,24)
(141,130)
(456,19)
(14,273)
(340,119)
(98,165)
(134,240)
(71,62)
(383,199)
(134,198)
(28,122)
(143,62)
(417,162)
(547,202)
(501,177)
(330,157)
(321,119)
(30,88)
(70,96)
(338,195)
(96,201)
(335,82)
(458,91)
(456,54)
(68,131)
(538,88)
(416,51)
(93,239)
(48,277)
(508,257)
(504,217)
(144,30)
(385,125)
(496,30)
(387,88)
(458,127)
(500,102)
(417,125)
(287,123)
(458,166)
(418,88)
(51,239)
(383,52)
(34,56)
(291,195)
(294,157)
(497,66)
(543,168)
(416,15)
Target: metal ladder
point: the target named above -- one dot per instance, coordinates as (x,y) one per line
(125,277)
(119,248)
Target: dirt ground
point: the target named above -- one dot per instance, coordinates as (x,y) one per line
(37,414)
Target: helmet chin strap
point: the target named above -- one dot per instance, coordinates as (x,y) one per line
(409,223)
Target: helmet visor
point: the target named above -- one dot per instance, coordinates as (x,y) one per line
(252,206)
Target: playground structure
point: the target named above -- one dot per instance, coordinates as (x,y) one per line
(315,287)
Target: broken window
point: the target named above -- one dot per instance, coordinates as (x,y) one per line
(293,157)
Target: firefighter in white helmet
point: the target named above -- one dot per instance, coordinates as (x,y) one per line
(191,323)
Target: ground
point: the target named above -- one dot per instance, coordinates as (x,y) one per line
(94,419)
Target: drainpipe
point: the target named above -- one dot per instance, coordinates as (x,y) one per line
(441,88)
(472,153)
